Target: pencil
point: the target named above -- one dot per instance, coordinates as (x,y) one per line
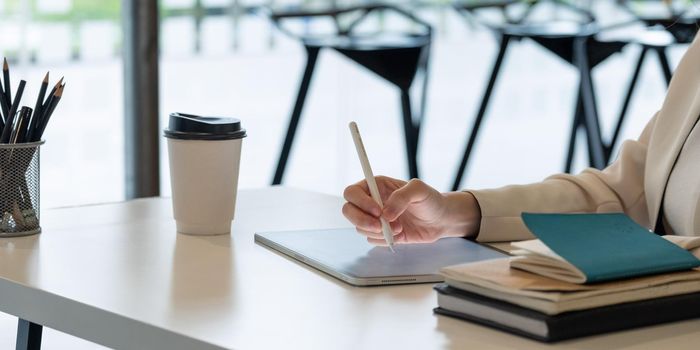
(23,124)
(51,93)
(48,112)
(371,183)
(3,107)
(14,133)
(38,108)
(46,104)
(11,115)
(6,78)
(20,126)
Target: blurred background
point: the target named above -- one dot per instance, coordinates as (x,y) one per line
(227,58)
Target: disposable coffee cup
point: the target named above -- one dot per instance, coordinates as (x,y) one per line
(205,156)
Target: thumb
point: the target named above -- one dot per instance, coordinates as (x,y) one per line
(397,203)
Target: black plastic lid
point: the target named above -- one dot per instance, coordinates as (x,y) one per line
(193,127)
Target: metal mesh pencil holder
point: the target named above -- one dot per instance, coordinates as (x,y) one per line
(19,189)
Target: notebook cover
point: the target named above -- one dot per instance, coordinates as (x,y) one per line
(578,324)
(608,246)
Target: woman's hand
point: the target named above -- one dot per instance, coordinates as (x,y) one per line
(416,212)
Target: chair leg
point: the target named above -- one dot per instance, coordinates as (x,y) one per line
(482,111)
(576,124)
(311,56)
(424,67)
(626,102)
(411,133)
(28,335)
(413,121)
(665,66)
(596,147)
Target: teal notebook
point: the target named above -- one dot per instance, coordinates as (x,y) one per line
(608,246)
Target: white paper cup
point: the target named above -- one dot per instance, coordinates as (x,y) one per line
(204,182)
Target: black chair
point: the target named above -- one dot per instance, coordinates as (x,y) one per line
(650,39)
(660,33)
(396,57)
(680,18)
(573,41)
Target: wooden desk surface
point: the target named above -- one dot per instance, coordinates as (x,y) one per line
(119,275)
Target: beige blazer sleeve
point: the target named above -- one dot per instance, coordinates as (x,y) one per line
(617,188)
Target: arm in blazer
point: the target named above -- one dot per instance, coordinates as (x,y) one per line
(634,183)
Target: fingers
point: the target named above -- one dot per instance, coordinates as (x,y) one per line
(415,191)
(371,235)
(377,241)
(396,229)
(388,185)
(363,212)
(358,195)
(379,234)
(361,219)
(398,239)
(365,221)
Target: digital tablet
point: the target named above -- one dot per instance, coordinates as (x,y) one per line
(346,255)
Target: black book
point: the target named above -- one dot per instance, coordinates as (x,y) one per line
(550,328)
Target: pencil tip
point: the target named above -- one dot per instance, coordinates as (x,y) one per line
(59,83)
(59,91)
(5,66)
(46,78)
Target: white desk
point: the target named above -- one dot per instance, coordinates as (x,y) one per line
(119,275)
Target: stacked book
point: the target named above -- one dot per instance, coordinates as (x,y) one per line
(586,274)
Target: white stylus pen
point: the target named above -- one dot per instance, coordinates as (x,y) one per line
(371,183)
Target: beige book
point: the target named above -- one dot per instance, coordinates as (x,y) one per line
(496,279)
(534,256)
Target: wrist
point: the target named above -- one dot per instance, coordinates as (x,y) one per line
(463,215)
